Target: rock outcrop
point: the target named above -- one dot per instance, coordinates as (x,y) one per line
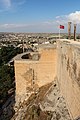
(47,104)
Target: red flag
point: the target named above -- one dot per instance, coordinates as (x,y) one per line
(61,27)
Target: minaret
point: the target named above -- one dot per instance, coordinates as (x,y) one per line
(75,32)
(69,30)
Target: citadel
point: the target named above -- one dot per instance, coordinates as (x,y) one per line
(58,61)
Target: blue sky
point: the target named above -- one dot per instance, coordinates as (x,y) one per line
(38,15)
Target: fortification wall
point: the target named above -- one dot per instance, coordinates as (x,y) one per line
(29,73)
(68,72)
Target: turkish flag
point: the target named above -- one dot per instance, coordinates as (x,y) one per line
(61,27)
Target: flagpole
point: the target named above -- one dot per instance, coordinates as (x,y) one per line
(59,33)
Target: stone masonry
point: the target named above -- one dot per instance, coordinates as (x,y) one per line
(35,71)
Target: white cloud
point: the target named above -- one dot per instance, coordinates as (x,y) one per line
(57,17)
(33,27)
(46,26)
(10,26)
(7,3)
(74,17)
(21,2)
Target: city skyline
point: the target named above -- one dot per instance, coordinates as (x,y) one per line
(38,16)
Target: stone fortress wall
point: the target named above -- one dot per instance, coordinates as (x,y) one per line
(63,62)
(68,73)
(32,73)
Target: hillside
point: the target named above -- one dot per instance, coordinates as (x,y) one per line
(47,104)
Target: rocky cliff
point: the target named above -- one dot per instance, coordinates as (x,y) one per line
(46,104)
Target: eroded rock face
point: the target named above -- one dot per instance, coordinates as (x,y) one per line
(47,104)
